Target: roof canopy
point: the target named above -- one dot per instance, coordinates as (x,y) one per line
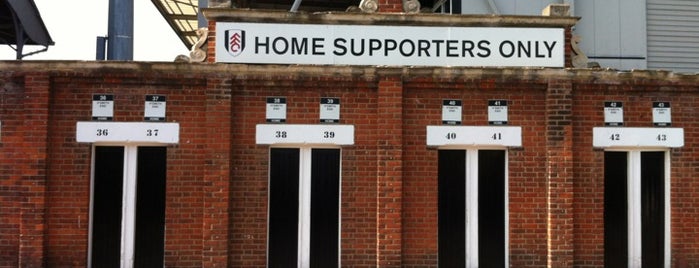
(182,14)
(182,17)
(21,24)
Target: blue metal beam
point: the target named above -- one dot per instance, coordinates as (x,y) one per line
(120,30)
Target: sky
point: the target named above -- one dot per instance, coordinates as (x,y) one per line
(75,24)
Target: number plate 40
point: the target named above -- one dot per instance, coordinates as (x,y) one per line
(606,137)
(506,136)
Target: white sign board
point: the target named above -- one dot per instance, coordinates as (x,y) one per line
(662,116)
(613,113)
(128,132)
(607,137)
(276,110)
(506,136)
(102,107)
(304,134)
(451,112)
(329,110)
(239,42)
(497,112)
(154,108)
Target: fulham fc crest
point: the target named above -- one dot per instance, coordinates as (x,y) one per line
(234,41)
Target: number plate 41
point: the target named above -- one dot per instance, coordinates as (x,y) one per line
(506,136)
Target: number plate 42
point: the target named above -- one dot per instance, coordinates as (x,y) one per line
(607,137)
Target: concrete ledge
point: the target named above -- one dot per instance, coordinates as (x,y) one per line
(355,18)
(198,72)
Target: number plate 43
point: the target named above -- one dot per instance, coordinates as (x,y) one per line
(609,137)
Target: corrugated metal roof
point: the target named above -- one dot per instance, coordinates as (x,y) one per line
(673,38)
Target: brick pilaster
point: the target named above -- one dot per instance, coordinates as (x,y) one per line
(389,175)
(568,49)
(216,181)
(211,43)
(390,5)
(559,174)
(34,164)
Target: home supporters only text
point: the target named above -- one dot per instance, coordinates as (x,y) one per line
(388,45)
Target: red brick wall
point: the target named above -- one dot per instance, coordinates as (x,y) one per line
(61,238)
(637,96)
(217,180)
(69,179)
(390,5)
(527,188)
(11,175)
(249,186)
(24,169)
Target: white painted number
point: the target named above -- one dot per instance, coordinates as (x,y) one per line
(497,136)
(280,134)
(615,137)
(152,132)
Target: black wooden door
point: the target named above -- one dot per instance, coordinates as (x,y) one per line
(283,208)
(325,202)
(652,208)
(106,206)
(615,209)
(491,208)
(149,243)
(452,208)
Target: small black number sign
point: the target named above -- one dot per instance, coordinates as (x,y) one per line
(102,107)
(613,113)
(276,109)
(155,108)
(329,110)
(451,112)
(497,112)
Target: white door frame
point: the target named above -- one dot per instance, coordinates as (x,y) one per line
(633,188)
(128,208)
(304,216)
